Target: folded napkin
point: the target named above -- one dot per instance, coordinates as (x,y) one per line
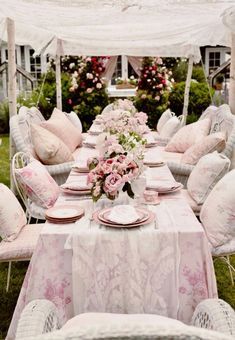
(151,158)
(80,183)
(150,138)
(162,185)
(123,214)
(81,164)
(96,128)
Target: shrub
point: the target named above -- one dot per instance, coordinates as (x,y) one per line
(4,116)
(199,99)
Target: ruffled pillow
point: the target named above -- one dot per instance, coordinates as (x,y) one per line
(166,115)
(214,142)
(217,213)
(12,216)
(38,184)
(170,127)
(60,125)
(188,135)
(48,147)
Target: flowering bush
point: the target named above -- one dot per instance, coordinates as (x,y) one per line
(128,83)
(110,175)
(154,85)
(125,105)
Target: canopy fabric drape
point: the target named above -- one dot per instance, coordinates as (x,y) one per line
(113,27)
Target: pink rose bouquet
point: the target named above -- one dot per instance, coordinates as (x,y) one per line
(110,175)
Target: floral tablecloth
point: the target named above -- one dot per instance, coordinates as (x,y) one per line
(166,270)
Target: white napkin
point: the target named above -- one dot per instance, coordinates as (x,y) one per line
(123,214)
(80,183)
(162,185)
(153,158)
(81,164)
(150,138)
(96,128)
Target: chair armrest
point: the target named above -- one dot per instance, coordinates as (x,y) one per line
(38,317)
(60,168)
(215,314)
(180,168)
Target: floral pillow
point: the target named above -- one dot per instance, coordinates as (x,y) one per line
(214,142)
(217,213)
(38,184)
(12,216)
(163,119)
(60,125)
(189,135)
(170,127)
(75,120)
(49,148)
(208,171)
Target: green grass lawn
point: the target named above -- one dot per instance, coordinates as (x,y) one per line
(8,300)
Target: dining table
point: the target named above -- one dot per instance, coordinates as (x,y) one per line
(163,267)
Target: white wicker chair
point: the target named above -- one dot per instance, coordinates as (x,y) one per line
(19,130)
(21,159)
(39,320)
(224,120)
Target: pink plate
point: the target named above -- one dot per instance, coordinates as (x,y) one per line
(64,212)
(104,215)
(170,190)
(75,192)
(135,224)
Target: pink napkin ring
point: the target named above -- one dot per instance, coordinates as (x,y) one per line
(150,196)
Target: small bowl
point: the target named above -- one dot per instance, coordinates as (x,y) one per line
(151,197)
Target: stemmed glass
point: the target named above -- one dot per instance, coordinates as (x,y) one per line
(138,186)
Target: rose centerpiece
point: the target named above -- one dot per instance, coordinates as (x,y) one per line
(111,174)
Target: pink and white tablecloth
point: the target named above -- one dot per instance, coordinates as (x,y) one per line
(166,270)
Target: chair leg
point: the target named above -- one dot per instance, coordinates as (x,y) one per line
(29,218)
(230,267)
(8,276)
(36,221)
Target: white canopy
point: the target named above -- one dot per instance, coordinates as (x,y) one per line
(112,27)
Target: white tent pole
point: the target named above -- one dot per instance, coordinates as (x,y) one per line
(232,76)
(187,88)
(11,82)
(58,76)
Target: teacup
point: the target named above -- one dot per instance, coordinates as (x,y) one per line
(150,196)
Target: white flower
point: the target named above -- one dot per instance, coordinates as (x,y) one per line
(98,85)
(89,76)
(88,59)
(132,77)
(157,98)
(71,65)
(148,80)
(89,90)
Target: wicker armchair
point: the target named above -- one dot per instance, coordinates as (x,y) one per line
(39,320)
(223,120)
(19,129)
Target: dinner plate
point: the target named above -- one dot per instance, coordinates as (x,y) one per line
(81,169)
(104,216)
(64,212)
(150,145)
(63,221)
(89,145)
(76,192)
(133,225)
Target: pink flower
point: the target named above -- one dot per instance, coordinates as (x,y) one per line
(98,85)
(89,90)
(112,184)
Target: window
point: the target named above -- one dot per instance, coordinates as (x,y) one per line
(35,64)
(123,69)
(214,57)
(214,60)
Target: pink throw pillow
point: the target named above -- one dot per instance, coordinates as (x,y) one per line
(12,216)
(214,142)
(60,125)
(217,213)
(38,184)
(188,135)
(48,147)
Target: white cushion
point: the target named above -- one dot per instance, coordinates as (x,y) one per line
(38,184)
(188,135)
(23,246)
(209,112)
(217,213)
(12,216)
(75,120)
(166,115)
(170,127)
(223,120)
(208,171)
(48,147)
(214,142)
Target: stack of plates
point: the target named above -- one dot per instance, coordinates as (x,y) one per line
(144,217)
(164,187)
(80,168)
(150,144)
(153,163)
(64,214)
